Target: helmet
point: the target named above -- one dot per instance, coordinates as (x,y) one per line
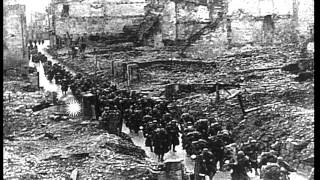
(280,158)
(174,121)
(254,141)
(205,149)
(240,153)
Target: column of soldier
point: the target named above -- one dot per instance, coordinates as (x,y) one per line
(33,51)
(162,125)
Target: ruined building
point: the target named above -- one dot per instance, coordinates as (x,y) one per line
(14,35)
(200,27)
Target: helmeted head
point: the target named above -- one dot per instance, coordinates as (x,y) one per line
(280,159)
(205,150)
(240,154)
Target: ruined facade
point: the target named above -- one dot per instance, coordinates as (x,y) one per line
(39,26)
(95,17)
(245,21)
(14,35)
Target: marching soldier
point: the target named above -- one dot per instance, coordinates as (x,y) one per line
(214,128)
(216,145)
(161,144)
(64,86)
(173,133)
(207,163)
(251,150)
(240,167)
(148,133)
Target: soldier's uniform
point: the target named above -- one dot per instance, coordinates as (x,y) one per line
(161,144)
(198,146)
(148,133)
(216,145)
(202,126)
(214,129)
(189,138)
(240,167)
(251,150)
(173,133)
(64,86)
(267,157)
(207,163)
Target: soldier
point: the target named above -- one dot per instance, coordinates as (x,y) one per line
(207,163)
(166,118)
(173,133)
(137,120)
(187,129)
(42,41)
(186,117)
(226,137)
(240,167)
(216,145)
(270,171)
(267,157)
(64,86)
(285,168)
(105,117)
(202,126)
(214,128)
(148,133)
(197,146)
(57,78)
(189,138)
(161,144)
(50,75)
(251,150)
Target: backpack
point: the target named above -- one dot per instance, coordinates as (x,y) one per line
(271,171)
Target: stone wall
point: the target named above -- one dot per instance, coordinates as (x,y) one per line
(14,35)
(92,17)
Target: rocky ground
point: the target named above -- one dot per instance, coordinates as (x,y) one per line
(280,105)
(37,147)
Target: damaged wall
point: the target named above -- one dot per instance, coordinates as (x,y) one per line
(91,16)
(291,18)
(14,35)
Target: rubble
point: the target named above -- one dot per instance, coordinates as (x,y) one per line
(39,148)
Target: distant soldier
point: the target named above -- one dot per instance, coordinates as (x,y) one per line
(148,133)
(267,157)
(270,171)
(214,128)
(173,132)
(216,145)
(207,163)
(285,168)
(202,126)
(240,167)
(64,86)
(251,150)
(161,144)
